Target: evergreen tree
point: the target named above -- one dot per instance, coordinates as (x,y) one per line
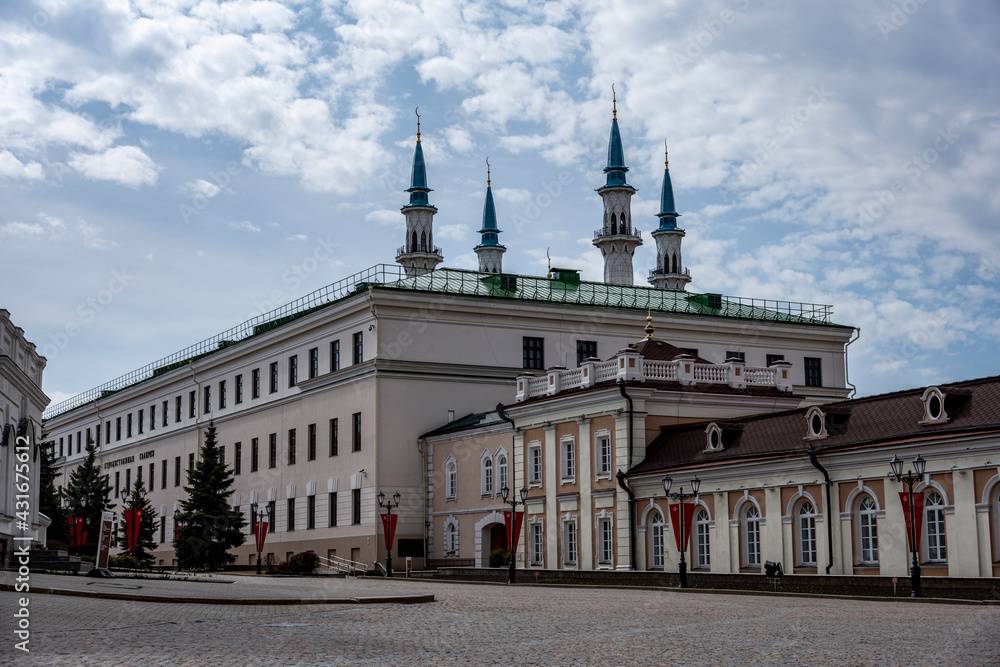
(86,481)
(48,496)
(147,528)
(209,527)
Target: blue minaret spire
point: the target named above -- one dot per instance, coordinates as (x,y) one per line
(419,254)
(490,251)
(670,272)
(668,213)
(616,168)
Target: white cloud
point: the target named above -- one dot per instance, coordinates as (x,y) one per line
(386,218)
(455,232)
(11,167)
(244,226)
(201,187)
(29,230)
(127,165)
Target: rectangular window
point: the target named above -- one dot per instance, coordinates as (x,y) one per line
(814,372)
(177,409)
(335,356)
(603,455)
(604,535)
(118,432)
(61,444)
(585,349)
(152,419)
(537,544)
(272,451)
(207,395)
(333,509)
(88,436)
(166,409)
(291,446)
(79,441)
(237,458)
(254,454)
(192,404)
(128,479)
(356,442)
(271,515)
(359,350)
(239,390)
(274,377)
(313,362)
(177,471)
(118,482)
(771,358)
(190,462)
(163,474)
(730,354)
(222,394)
(293,370)
(128,425)
(535,461)
(569,557)
(163,529)
(152,476)
(356,506)
(255,383)
(310,512)
(568,458)
(693,351)
(311,445)
(107,433)
(291,514)
(334,436)
(222,454)
(533,353)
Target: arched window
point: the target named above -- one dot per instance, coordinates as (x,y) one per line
(502,469)
(751,536)
(423,241)
(673,263)
(451,479)
(934,517)
(866,530)
(656,541)
(413,241)
(452,540)
(805,525)
(487,475)
(701,526)
(614,224)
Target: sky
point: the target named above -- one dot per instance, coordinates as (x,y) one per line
(171,168)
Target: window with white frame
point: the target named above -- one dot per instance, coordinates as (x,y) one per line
(537,544)
(656,541)
(604,541)
(487,474)
(751,536)
(701,526)
(865,518)
(568,458)
(535,463)
(602,452)
(451,478)
(805,525)
(502,469)
(452,540)
(934,517)
(570,546)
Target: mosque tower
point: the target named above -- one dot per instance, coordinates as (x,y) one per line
(670,272)
(617,239)
(419,255)
(490,251)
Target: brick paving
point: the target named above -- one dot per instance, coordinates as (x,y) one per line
(482,624)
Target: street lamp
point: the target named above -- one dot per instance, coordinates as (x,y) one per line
(178,524)
(388,527)
(912,478)
(78,520)
(681,496)
(513,502)
(257,517)
(132,521)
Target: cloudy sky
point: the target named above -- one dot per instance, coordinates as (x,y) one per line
(170,168)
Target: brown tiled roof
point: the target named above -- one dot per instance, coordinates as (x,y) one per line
(972,406)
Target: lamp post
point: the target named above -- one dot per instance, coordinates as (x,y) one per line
(681,496)
(132,526)
(178,524)
(388,505)
(912,478)
(79,505)
(513,502)
(257,517)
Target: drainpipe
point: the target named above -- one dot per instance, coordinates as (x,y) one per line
(829,507)
(622,483)
(197,407)
(854,390)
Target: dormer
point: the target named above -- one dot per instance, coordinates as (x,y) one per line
(815,424)
(934,411)
(719,435)
(713,438)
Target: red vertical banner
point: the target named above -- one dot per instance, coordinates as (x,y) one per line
(72,531)
(127,514)
(259,534)
(675,524)
(518,520)
(389,526)
(133,519)
(918,514)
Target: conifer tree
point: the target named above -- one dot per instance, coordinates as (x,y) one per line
(86,481)
(147,528)
(209,527)
(48,496)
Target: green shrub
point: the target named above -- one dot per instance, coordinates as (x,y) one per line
(304,562)
(125,562)
(499,558)
(87,558)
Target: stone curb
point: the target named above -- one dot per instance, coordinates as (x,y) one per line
(130,597)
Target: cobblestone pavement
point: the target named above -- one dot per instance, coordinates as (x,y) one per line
(478,624)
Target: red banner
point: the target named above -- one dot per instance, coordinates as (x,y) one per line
(675,522)
(517,529)
(72,531)
(259,534)
(389,528)
(133,519)
(918,513)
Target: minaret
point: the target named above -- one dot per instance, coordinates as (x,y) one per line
(669,272)
(490,251)
(419,255)
(617,239)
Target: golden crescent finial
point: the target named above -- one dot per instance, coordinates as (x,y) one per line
(614,103)
(487,173)
(649,323)
(666,163)
(550,262)
(416,110)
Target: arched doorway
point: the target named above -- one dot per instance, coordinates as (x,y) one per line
(490,531)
